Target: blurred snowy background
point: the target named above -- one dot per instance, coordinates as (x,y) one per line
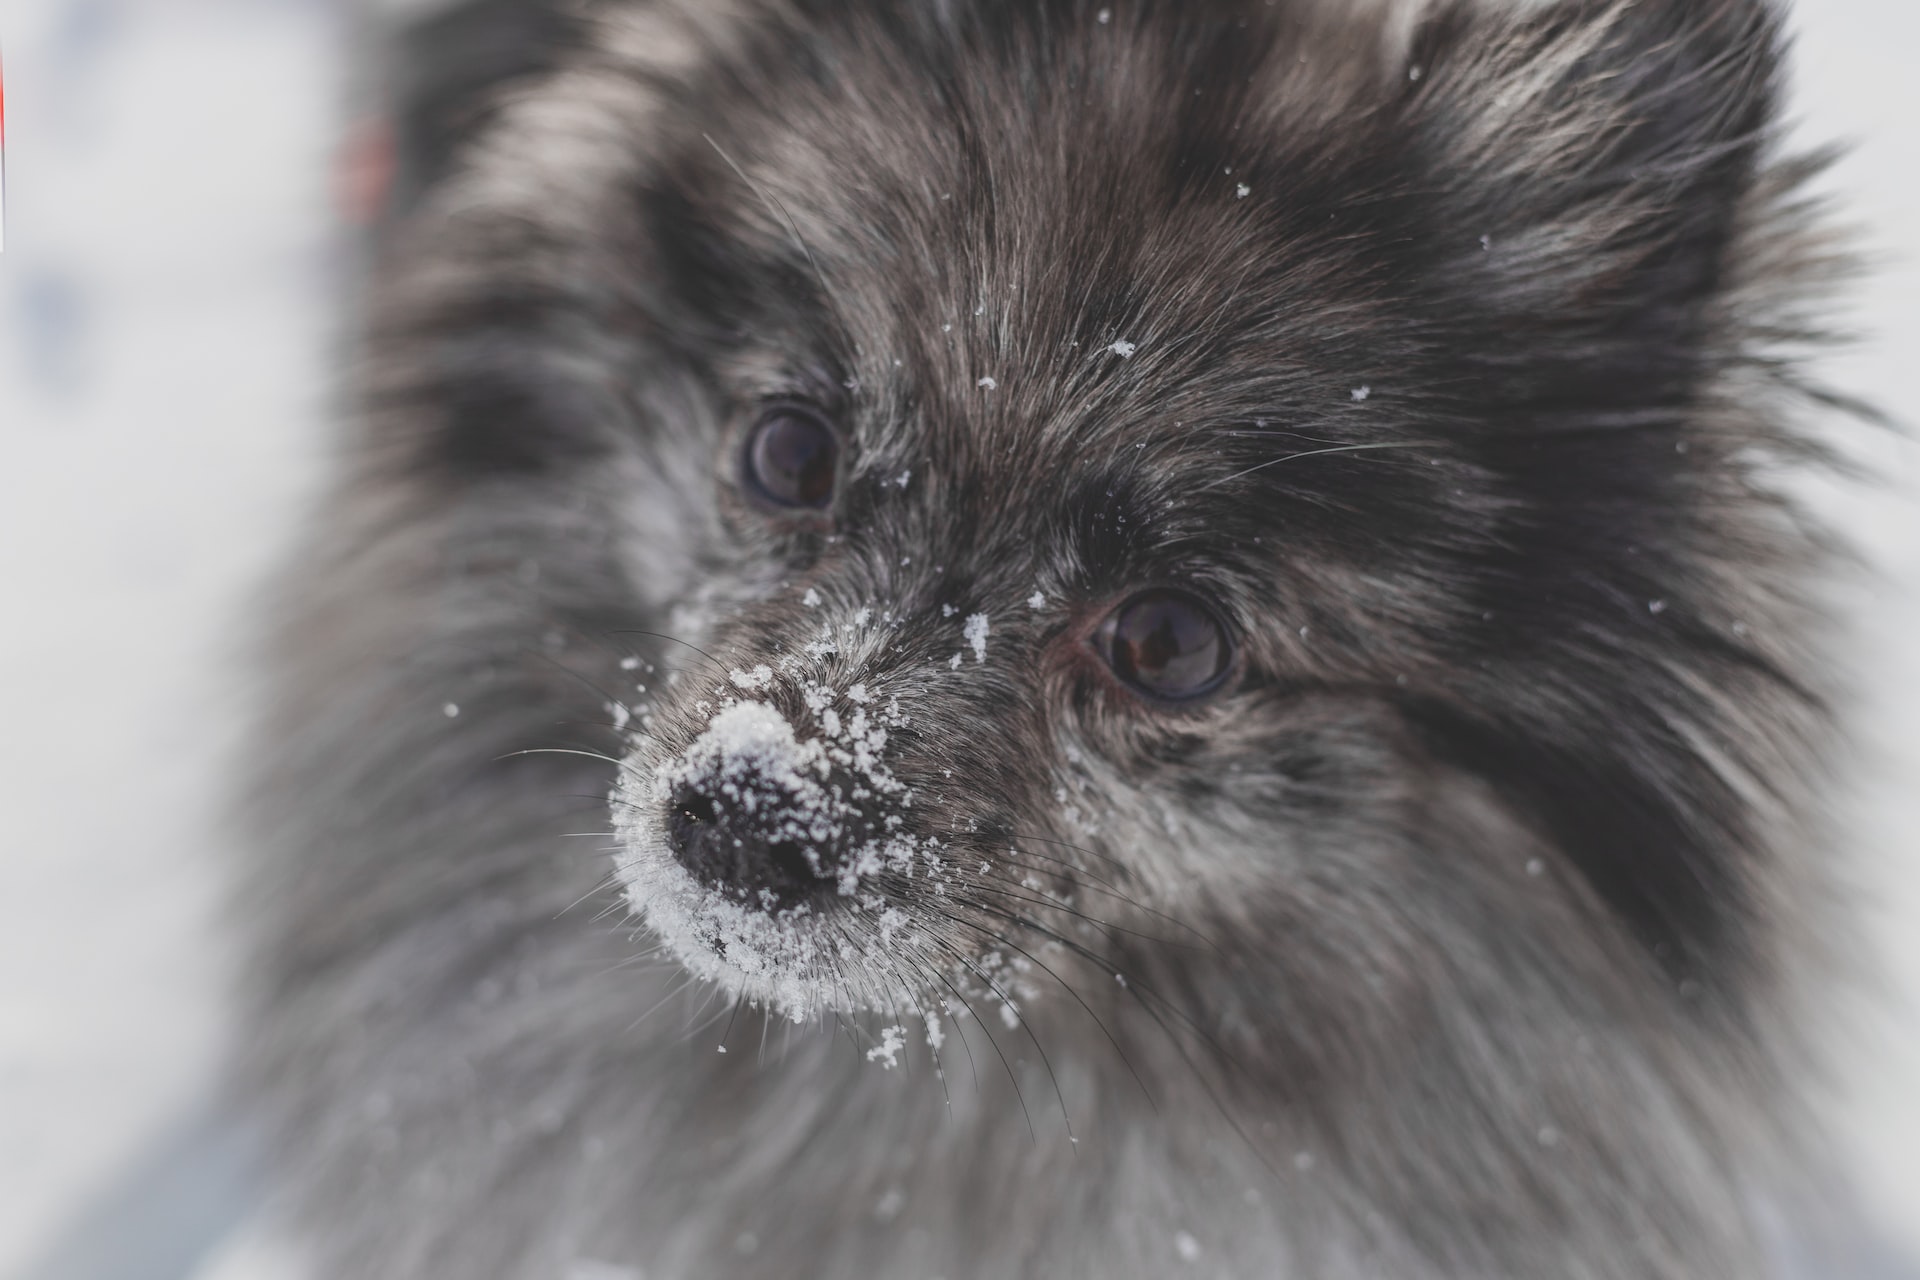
(165,300)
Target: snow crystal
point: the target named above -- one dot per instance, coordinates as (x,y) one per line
(1123,348)
(761,677)
(451,710)
(953,663)
(892,1041)
(630,663)
(1656,606)
(947,611)
(811,599)
(752,738)
(1361,393)
(988,383)
(903,477)
(1103,17)
(1187,1247)
(1241,191)
(1036,601)
(976,633)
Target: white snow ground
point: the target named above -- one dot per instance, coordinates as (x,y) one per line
(163,322)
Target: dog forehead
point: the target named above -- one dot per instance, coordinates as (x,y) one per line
(1115,361)
(1045,194)
(1050,288)
(1104,288)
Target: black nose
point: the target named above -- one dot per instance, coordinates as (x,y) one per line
(738,837)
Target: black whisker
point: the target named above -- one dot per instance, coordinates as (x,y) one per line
(1071,990)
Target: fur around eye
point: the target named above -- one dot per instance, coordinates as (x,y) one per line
(1166,644)
(792,458)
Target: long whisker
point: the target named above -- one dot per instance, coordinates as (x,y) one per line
(773,202)
(1133,983)
(1011,1077)
(927,1020)
(718,665)
(972,1066)
(566,670)
(606,882)
(686,980)
(620,765)
(1070,990)
(985,880)
(1129,900)
(893,963)
(1032,1038)
(1118,865)
(737,1002)
(1319,453)
(1140,991)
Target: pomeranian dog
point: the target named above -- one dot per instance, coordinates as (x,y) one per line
(999,638)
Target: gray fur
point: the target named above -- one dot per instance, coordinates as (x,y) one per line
(1463,935)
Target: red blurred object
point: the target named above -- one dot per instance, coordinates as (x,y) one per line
(363,171)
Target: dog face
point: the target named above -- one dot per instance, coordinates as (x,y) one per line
(1200,465)
(1021,576)
(1231,539)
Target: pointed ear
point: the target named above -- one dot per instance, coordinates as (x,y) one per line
(1592,161)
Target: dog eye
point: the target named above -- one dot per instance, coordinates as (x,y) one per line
(1167,644)
(792,458)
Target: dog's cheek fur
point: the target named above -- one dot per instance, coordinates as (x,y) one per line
(1397,951)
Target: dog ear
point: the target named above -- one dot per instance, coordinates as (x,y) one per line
(1589,216)
(1592,160)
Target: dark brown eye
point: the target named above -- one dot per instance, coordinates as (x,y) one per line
(792,458)
(1166,644)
